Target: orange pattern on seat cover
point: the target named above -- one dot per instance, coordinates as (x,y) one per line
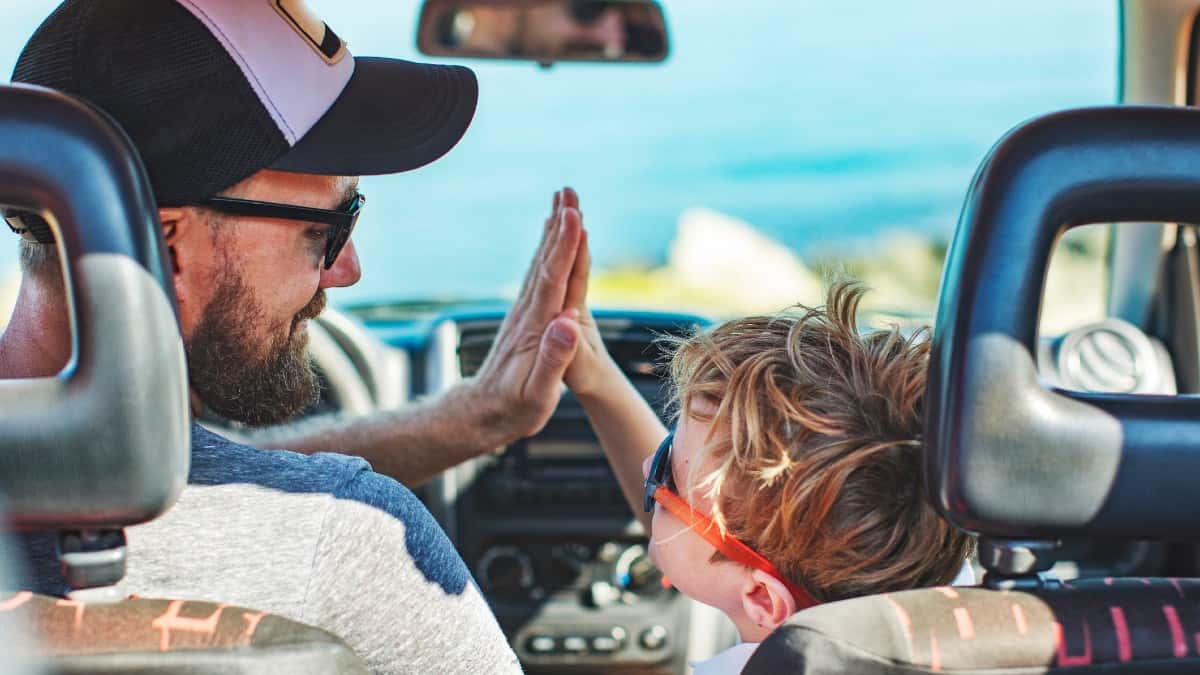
(67,627)
(1099,624)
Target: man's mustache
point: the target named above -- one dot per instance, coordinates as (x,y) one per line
(313,308)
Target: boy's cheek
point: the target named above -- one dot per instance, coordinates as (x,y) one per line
(658,535)
(673,555)
(668,545)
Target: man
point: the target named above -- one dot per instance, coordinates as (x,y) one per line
(253,120)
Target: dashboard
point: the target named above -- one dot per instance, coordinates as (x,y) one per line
(542,522)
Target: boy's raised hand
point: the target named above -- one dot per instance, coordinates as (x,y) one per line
(627,427)
(547,338)
(519,384)
(592,367)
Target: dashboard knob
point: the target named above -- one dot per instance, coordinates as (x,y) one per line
(602,594)
(571,557)
(506,571)
(634,571)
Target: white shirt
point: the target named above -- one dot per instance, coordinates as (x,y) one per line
(731,660)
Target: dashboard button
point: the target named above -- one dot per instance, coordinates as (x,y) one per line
(608,551)
(574,644)
(654,638)
(605,644)
(540,644)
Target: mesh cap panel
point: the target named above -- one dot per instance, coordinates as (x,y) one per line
(197,123)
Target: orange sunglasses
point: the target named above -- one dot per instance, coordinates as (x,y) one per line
(660,488)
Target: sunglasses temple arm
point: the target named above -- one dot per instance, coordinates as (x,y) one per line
(735,550)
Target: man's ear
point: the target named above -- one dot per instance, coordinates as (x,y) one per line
(170,218)
(175,224)
(766,601)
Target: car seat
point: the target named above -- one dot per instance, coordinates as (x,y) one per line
(105,444)
(1021,464)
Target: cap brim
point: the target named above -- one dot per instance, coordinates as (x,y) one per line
(392,116)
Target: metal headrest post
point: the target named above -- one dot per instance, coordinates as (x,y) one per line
(1008,457)
(105,443)
(1015,564)
(92,563)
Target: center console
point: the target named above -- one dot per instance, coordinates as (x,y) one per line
(552,541)
(563,562)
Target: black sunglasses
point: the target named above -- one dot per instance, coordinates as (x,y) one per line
(340,220)
(660,471)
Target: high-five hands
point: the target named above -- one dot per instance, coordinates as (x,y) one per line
(550,337)
(520,382)
(592,367)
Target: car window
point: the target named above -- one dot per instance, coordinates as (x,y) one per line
(778,143)
(1076,290)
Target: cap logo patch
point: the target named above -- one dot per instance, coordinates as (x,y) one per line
(315,32)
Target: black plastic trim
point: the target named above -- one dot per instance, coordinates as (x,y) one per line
(106,442)
(1006,456)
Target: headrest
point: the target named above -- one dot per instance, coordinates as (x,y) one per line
(105,443)
(1007,456)
(1110,626)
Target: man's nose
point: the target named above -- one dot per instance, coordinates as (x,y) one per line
(345,271)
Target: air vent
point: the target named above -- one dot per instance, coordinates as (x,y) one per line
(634,346)
(636,350)
(1113,356)
(474,340)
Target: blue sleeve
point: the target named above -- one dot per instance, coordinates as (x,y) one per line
(427,544)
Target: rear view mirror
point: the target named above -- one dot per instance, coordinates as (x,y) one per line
(544,30)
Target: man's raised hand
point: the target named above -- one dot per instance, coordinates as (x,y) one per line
(520,383)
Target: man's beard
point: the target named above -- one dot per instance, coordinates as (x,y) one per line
(229,371)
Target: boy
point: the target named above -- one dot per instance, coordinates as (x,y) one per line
(793,476)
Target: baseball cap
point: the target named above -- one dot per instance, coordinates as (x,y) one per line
(211,91)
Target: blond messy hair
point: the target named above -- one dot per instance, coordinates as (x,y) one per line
(817,442)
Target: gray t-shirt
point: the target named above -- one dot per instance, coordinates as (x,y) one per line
(320,539)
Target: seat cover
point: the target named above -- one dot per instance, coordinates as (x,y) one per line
(143,635)
(1093,626)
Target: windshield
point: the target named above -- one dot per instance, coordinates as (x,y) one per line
(779,142)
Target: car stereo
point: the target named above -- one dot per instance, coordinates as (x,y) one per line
(562,560)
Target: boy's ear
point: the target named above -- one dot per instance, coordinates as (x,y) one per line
(767,602)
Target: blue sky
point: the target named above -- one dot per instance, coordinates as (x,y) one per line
(821,123)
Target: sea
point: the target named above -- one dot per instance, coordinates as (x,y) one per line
(825,125)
